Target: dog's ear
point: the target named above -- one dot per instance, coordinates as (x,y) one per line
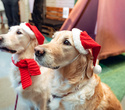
(89,68)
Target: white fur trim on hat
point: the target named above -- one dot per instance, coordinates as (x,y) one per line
(97,69)
(76,38)
(27,29)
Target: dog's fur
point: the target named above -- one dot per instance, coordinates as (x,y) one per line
(21,44)
(74,85)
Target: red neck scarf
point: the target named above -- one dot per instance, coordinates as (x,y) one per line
(28,68)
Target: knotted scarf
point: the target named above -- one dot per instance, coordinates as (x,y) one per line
(28,68)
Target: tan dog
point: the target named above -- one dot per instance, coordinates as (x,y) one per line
(74,85)
(21,42)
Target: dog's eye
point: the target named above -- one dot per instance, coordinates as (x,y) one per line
(18,32)
(66,42)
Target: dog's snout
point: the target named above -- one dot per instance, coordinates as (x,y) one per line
(1,39)
(39,51)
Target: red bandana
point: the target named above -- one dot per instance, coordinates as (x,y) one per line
(28,68)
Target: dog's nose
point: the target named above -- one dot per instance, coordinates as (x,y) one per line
(39,51)
(1,39)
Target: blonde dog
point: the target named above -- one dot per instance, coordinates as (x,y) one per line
(74,85)
(20,41)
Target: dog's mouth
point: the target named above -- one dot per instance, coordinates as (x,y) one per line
(7,50)
(46,64)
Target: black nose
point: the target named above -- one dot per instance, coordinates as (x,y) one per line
(1,39)
(39,51)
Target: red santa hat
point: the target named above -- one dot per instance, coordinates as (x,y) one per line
(32,30)
(83,42)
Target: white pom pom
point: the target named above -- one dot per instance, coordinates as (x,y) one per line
(97,69)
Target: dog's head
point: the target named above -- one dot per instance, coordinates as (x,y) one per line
(16,40)
(61,52)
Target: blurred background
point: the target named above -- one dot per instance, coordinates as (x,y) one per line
(104,21)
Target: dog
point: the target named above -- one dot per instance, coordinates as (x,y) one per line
(74,85)
(20,42)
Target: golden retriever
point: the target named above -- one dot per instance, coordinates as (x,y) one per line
(21,44)
(74,86)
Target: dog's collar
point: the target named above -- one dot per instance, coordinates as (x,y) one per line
(55,96)
(78,87)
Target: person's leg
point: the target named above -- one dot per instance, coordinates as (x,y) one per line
(15,12)
(8,12)
(38,14)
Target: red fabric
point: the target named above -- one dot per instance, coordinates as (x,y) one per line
(111,27)
(89,43)
(39,36)
(28,68)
